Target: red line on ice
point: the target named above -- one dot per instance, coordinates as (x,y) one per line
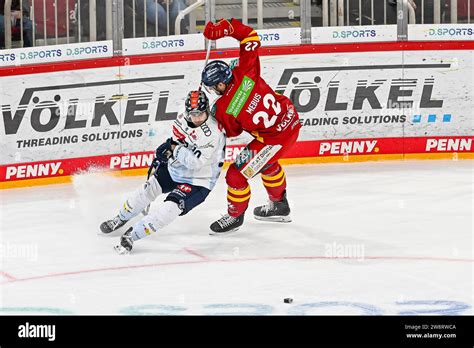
(8,276)
(195,253)
(53,275)
(276,258)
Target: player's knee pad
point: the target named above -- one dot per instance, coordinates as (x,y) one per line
(167,212)
(235,179)
(136,202)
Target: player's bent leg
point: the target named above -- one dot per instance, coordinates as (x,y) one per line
(180,201)
(238,197)
(167,212)
(140,199)
(277,209)
(274,180)
(160,182)
(133,205)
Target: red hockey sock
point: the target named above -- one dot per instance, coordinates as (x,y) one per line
(274,180)
(238,192)
(237,201)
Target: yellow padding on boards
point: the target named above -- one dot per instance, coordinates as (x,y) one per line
(275,184)
(252,38)
(238,200)
(278,176)
(239,192)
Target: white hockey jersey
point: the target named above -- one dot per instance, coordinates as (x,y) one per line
(199,158)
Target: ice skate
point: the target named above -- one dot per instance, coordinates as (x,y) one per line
(226,224)
(126,243)
(274,211)
(112,225)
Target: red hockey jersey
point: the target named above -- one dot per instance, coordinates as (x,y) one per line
(248,103)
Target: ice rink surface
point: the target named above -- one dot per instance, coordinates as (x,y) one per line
(368,238)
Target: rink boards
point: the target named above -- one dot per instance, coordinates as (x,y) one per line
(357,102)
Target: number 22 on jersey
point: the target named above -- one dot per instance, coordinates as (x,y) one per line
(263,115)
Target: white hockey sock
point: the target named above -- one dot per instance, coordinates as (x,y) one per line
(138,200)
(167,212)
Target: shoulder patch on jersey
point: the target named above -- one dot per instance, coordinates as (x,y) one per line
(240,96)
(214,110)
(233,63)
(178,134)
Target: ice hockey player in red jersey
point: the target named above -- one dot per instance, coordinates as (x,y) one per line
(247,103)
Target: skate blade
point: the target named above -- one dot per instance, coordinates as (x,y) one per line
(212,233)
(284,219)
(103,231)
(121,250)
(106,233)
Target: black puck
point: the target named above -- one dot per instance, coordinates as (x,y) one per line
(288,300)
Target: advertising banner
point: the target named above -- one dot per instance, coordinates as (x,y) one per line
(396,102)
(388,94)
(163,44)
(440,32)
(347,149)
(364,33)
(58,116)
(57,53)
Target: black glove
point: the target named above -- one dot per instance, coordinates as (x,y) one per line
(164,152)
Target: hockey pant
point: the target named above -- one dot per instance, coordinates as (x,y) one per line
(256,158)
(181,199)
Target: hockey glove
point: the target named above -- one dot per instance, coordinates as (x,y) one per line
(218,30)
(164,151)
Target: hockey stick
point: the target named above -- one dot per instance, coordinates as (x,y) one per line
(208,53)
(150,170)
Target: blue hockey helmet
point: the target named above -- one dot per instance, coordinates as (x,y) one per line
(215,72)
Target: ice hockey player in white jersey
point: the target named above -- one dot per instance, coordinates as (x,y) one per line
(187,167)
